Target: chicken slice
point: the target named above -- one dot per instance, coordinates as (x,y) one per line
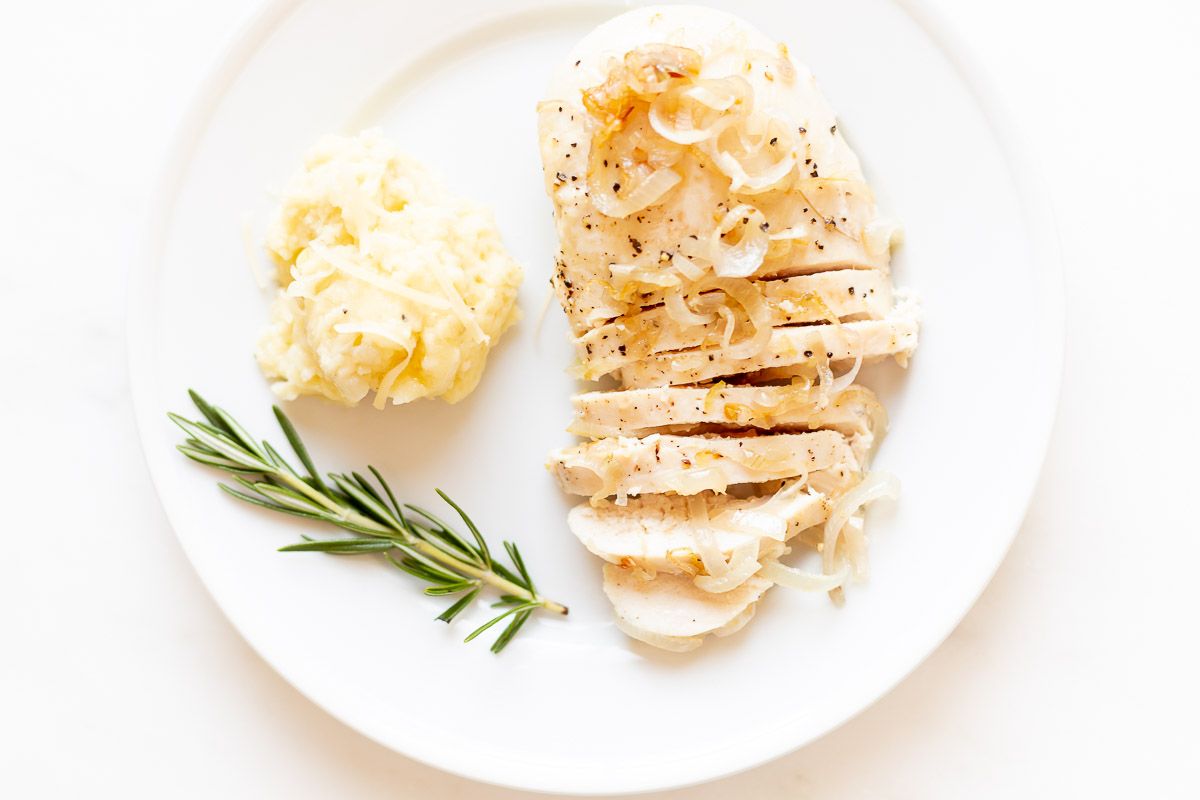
(825,297)
(876,284)
(795,347)
(818,215)
(671,613)
(674,409)
(689,465)
(658,533)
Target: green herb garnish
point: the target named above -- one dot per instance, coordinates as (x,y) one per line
(410,538)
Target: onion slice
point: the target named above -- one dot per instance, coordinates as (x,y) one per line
(706,541)
(681,314)
(629,280)
(746,294)
(691,113)
(844,381)
(743,562)
(856,546)
(727,334)
(872,487)
(824,380)
(643,73)
(804,581)
(606,196)
(686,267)
(629,169)
(756,153)
(744,258)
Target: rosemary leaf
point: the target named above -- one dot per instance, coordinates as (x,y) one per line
(278,459)
(282,496)
(453,611)
(297,445)
(479,541)
(445,533)
(449,588)
(257,501)
(515,556)
(497,618)
(205,409)
(511,630)
(366,486)
(219,443)
(367,504)
(388,491)
(212,460)
(340,546)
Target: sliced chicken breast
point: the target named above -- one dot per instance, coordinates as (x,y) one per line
(670,612)
(691,464)
(796,347)
(661,533)
(629,201)
(840,295)
(713,223)
(638,412)
(830,286)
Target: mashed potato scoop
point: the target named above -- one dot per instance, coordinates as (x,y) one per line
(388,284)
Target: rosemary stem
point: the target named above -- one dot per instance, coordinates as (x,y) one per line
(313,494)
(486,575)
(431,552)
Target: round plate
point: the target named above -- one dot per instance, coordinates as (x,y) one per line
(572,705)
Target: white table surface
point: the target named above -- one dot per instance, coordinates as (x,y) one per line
(1076,675)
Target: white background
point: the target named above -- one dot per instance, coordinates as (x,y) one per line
(1077,673)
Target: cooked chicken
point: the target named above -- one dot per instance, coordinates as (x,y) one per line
(661,533)
(748,130)
(787,347)
(672,613)
(713,223)
(691,464)
(638,412)
(828,285)
(835,296)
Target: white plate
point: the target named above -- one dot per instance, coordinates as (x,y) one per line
(572,705)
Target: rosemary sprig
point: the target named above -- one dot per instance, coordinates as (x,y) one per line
(410,538)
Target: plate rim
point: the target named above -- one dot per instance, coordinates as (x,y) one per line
(1038,211)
